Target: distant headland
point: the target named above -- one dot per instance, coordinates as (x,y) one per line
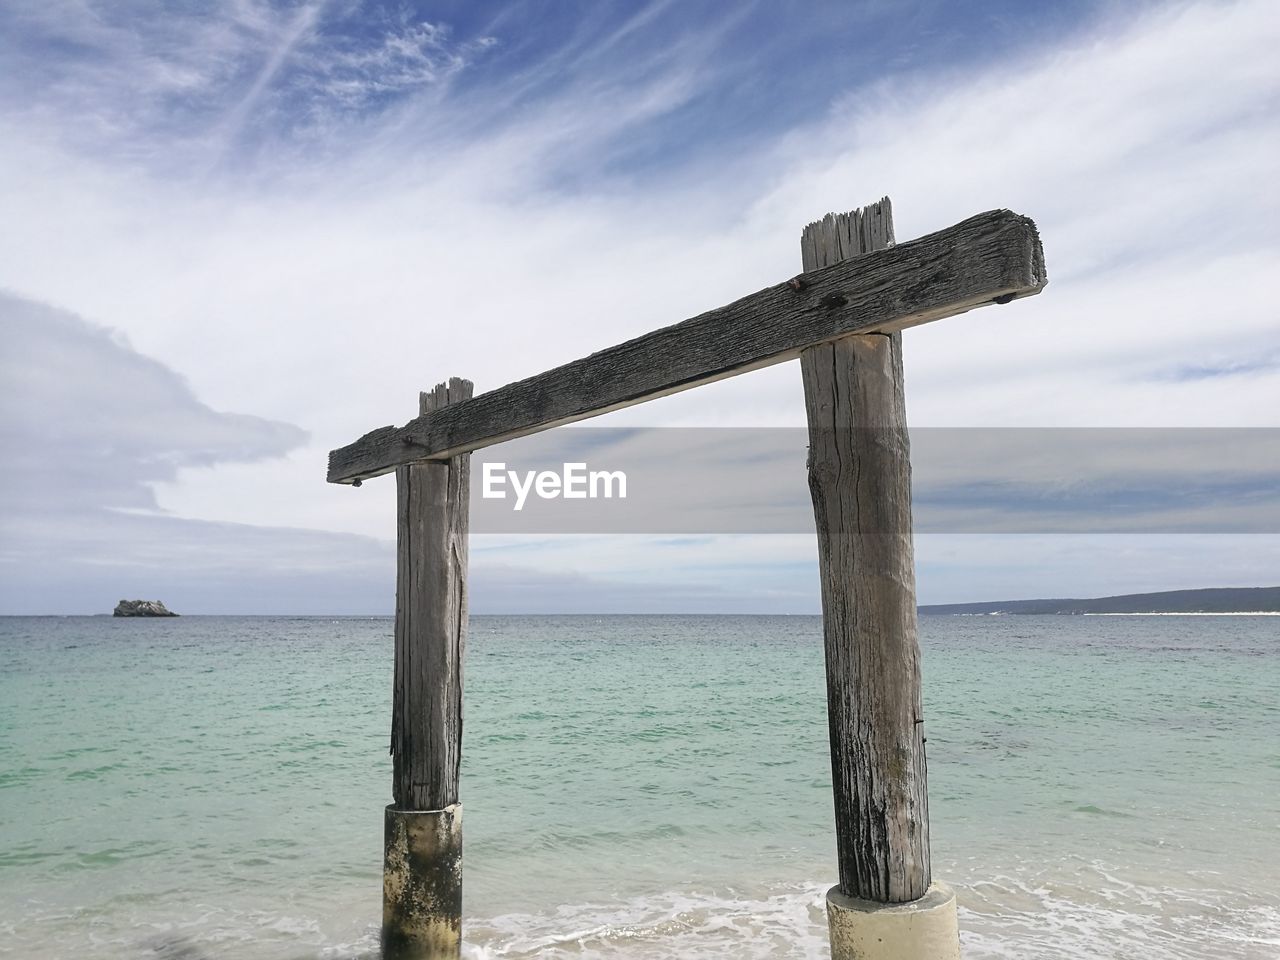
(142,608)
(1221,600)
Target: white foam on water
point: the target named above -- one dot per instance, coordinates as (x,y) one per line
(1066,910)
(790,923)
(1096,915)
(1093,914)
(194,932)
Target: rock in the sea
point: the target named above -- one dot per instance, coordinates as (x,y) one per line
(142,608)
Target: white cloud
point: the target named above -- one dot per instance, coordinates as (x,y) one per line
(178,90)
(88,421)
(327,292)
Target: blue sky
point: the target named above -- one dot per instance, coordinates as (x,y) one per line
(243,233)
(707,79)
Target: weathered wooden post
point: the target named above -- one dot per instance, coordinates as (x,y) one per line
(842,319)
(884,907)
(422,868)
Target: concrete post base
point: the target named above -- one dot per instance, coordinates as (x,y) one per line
(924,929)
(422,884)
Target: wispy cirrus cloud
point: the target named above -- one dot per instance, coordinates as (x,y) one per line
(354,73)
(170,87)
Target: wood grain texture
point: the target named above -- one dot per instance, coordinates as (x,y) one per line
(433,502)
(993,256)
(860,480)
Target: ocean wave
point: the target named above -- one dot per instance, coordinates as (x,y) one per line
(1000,919)
(789,923)
(1093,915)
(1096,915)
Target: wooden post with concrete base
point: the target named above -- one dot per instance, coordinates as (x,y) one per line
(842,318)
(422,867)
(860,481)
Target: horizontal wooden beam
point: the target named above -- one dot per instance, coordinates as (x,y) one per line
(994,257)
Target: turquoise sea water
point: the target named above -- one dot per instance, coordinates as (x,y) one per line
(207,787)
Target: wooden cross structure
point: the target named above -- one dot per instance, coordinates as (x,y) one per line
(842,318)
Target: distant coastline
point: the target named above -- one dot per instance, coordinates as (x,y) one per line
(1191,613)
(1218,601)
